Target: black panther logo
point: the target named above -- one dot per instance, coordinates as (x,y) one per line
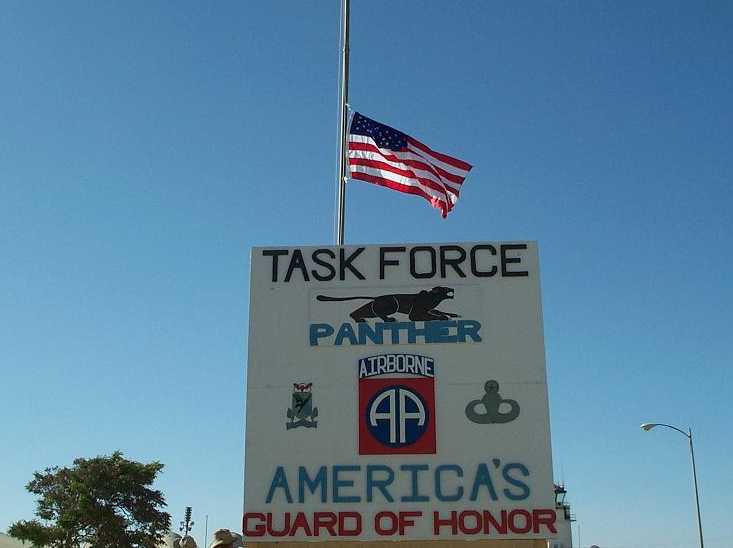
(419,307)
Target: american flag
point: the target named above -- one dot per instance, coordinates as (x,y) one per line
(384,156)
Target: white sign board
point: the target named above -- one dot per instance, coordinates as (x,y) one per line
(397,392)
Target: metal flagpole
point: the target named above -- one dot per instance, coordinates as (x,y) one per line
(206,530)
(343,120)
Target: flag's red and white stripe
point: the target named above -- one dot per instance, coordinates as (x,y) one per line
(416,170)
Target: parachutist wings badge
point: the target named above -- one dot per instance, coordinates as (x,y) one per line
(302,412)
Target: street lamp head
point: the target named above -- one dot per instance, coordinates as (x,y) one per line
(648,426)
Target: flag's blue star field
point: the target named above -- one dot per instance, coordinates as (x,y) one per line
(383,136)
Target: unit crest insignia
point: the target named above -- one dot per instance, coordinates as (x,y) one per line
(302,412)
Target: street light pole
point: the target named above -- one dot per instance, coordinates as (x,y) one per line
(648,426)
(697,496)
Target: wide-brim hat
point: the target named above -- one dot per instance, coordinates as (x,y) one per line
(222,537)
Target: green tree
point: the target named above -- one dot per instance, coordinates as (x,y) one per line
(104,502)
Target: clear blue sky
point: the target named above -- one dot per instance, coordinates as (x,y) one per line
(146,146)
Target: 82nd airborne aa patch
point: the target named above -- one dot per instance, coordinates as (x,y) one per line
(396,411)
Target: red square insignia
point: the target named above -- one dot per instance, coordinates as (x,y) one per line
(396,411)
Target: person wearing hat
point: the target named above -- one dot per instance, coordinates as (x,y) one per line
(224,538)
(188,542)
